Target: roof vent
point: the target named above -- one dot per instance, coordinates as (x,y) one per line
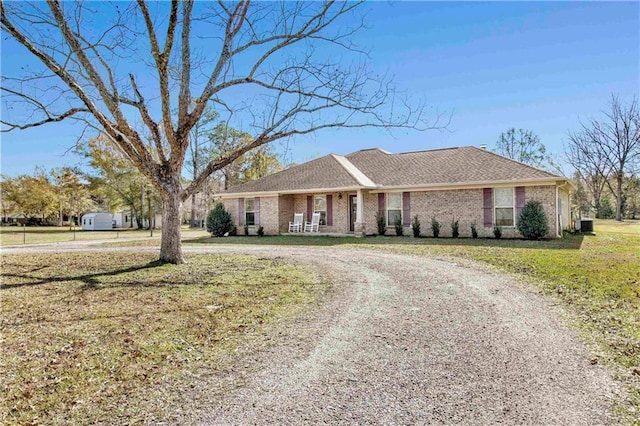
(483,146)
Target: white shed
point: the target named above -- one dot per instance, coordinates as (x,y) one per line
(97,222)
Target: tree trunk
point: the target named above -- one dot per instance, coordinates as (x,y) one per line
(619,197)
(149,212)
(171,245)
(193,211)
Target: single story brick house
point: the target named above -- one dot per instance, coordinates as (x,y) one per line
(468,184)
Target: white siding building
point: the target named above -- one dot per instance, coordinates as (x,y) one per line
(97,222)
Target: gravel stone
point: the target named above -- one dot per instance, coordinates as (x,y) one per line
(412,340)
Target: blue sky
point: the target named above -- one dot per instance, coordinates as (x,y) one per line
(539,66)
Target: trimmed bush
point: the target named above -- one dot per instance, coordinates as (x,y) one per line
(380,222)
(532,221)
(219,221)
(260,231)
(415,226)
(398,225)
(435,227)
(497,232)
(246,230)
(234,231)
(474,230)
(455,229)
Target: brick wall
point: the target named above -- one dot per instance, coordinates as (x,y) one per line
(546,195)
(370,212)
(463,205)
(340,211)
(285,212)
(231,205)
(268,215)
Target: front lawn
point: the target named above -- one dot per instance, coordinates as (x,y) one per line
(18,235)
(117,338)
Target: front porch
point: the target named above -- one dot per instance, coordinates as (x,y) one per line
(342,212)
(318,234)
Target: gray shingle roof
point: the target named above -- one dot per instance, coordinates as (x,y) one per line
(442,166)
(455,166)
(324,172)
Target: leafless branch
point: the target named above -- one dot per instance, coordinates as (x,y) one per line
(275,68)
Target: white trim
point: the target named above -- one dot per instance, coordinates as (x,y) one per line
(359,208)
(360,177)
(225,195)
(558,231)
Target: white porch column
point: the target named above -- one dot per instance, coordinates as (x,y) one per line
(359,227)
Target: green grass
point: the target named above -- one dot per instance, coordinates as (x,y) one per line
(597,278)
(117,339)
(13,235)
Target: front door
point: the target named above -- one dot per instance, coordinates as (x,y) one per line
(353,211)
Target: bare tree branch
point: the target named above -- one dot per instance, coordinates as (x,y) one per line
(608,148)
(275,69)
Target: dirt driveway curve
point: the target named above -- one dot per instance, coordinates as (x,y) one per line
(409,340)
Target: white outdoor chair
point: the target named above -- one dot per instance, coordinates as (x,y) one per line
(296,225)
(314,225)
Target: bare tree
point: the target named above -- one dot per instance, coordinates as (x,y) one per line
(523,146)
(591,165)
(199,153)
(276,69)
(610,147)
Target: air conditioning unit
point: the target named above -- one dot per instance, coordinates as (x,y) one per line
(584,225)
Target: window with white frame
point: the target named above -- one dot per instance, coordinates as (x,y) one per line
(249,211)
(394,207)
(503,204)
(320,206)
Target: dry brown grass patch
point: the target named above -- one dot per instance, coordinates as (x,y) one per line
(112,337)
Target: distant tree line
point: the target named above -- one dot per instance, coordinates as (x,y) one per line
(112,183)
(604,154)
(47,198)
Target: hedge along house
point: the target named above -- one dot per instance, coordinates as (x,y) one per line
(467,184)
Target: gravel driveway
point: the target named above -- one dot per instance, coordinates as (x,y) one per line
(408,340)
(411,340)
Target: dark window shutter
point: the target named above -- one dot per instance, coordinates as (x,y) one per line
(329,210)
(406,209)
(519,200)
(256,209)
(240,211)
(487,205)
(309,207)
(381,204)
